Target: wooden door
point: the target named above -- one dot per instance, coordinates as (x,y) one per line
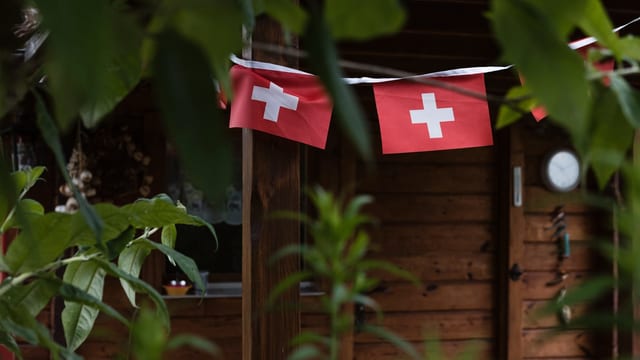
(533,273)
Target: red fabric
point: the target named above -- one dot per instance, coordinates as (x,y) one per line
(465,120)
(306,122)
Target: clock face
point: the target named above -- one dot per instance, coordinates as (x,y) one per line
(562,171)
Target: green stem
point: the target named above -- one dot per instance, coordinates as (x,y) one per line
(20,279)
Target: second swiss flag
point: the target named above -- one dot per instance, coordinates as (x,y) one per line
(418,117)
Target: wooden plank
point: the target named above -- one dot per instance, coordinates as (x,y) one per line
(431,208)
(419,326)
(537,285)
(472,156)
(537,317)
(207,307)
(579,226)
(512,236)
(464,295)
(538,199)
(544,257)
(439,266)
(394,240)
(433,179)
(578,343)
(481,350)
(271,182)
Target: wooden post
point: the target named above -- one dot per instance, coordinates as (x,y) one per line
(512,247)
(271,182)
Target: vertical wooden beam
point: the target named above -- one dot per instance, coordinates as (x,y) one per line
(511,248)
(271,182)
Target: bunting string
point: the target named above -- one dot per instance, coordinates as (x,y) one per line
(417,112)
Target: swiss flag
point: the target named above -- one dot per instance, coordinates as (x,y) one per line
(417,117)
(292,105)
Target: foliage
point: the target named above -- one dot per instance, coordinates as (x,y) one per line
(601,113)
(48,243)
(336,258)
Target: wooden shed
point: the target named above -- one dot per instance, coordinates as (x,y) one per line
(485,263)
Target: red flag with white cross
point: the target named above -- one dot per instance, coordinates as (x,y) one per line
(280,101)
(418,117)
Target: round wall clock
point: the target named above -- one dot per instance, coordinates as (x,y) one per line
(561,170)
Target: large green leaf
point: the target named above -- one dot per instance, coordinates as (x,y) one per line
(73,294)
(351,19)
(628,97)
(565,98)
(196,20)
(596,23)
(122,74)
(33,296)
(323,58)
(78,318)
(186,96)
(508,115)
(139,286)
(130,261)
(115,220)
(157,212)
(288,13)
(9,342)
(612,135)
(27,208)
(118,244)
(185,263)
(148,336)
(52,138)
(79,49)
(46,240)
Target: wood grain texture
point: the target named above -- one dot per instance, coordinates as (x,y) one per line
(464,295)
(481,350)
(419,208)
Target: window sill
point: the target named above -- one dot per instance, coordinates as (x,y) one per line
(234,290)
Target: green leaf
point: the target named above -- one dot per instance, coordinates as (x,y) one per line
(148,336)
(26,209)
(73,294)
(51,137)
(157,212)
(130,261)
(392,338)
(305,352)
(33,296)
(168,238)
(376,17)
(196,20)
(323,59)
(185,95)
(290,15)
(114,220)
(507,115)
(46,240)
(612,136)
(140,286)
(77,318)
(185,263)
(123,73)
(169,234)
(565,98)
(286,283)
(9,342)
(596,23)
(79,49)
(196,342)
(629,99)
(117,245)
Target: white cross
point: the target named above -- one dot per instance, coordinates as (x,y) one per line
(431,115)
(275,98)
